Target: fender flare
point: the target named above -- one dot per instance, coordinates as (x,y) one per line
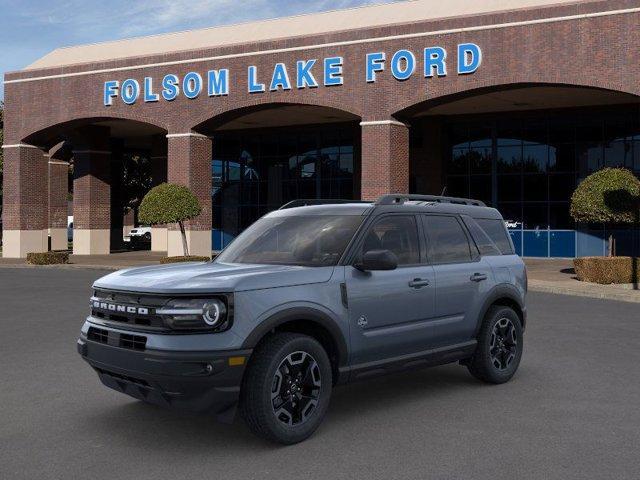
(310,314)
(498,292)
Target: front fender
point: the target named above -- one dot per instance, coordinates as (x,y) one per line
(311,312)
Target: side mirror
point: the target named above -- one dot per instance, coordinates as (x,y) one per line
(377,260)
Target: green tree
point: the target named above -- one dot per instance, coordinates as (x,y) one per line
(609,196)
(170,203)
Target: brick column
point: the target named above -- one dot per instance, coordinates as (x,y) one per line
(189,164)
(385,158)
(58,190)
(24,200)
(92,192)
(158,176)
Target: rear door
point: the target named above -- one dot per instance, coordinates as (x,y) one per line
(390,310)
(462,277)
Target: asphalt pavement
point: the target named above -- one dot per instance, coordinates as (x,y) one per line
(571,412)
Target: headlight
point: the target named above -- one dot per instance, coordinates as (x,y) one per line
(209,313)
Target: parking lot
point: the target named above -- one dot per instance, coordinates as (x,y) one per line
(571,411)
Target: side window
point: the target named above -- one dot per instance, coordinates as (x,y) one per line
(482,240)
(448,242)
(396,233)
(497,231)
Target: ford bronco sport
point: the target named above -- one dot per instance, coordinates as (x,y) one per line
(309,297)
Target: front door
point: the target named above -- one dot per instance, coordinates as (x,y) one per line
(390,310)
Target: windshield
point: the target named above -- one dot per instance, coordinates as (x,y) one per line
(312,241)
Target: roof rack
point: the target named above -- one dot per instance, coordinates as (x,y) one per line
(399,198)
(302,202)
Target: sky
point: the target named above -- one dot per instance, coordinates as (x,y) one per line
(30,29)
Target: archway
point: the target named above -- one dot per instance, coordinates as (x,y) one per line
(266,155)
(113,163)
(523,148)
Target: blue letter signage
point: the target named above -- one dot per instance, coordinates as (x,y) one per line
(430,62)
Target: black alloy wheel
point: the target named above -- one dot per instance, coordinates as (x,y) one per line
(499,347)
(286,388)
(296,388)
(504,344)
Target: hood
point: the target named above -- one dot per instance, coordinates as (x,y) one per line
(211,277)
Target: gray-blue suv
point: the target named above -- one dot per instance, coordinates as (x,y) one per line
(308,297)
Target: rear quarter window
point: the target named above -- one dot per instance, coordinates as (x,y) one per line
(497,232)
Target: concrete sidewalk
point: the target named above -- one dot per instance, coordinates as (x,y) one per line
(553,275)
(545,274)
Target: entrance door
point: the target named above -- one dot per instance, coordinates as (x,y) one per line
(390,310)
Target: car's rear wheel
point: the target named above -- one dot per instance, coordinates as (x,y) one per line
(287,388)
(499,349)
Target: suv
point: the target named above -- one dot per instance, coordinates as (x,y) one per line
(309,297)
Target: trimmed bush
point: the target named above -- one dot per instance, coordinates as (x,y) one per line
(170,203)
(609,195)
(607,270)
(48,258)
(190,258)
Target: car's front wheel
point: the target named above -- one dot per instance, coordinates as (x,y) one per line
(499,349)
(287,388)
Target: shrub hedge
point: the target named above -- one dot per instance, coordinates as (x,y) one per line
(190,258)
(607,270)
(47,258)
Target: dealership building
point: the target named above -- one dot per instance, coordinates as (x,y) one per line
(511,102)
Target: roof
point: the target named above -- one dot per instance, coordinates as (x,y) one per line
(279,28)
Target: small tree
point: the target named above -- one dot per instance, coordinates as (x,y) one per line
(607,196)
(170,203)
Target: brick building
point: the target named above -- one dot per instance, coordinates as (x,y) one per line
(509,101)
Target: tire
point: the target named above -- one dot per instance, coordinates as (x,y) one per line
(273,390)
(500,344)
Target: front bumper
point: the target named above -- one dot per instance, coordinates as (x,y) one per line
(206,382)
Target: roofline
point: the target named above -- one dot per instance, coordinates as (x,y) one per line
(80,63)
(600,13)
(225,25)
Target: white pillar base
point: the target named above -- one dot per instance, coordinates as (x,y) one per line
(17,243)
(159,239)
(58,238)
(91,242)
(198,241)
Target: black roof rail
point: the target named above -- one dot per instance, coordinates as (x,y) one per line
(305,202)
(400,198)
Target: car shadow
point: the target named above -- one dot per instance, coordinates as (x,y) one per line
(136,422)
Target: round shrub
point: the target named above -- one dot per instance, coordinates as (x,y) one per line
(609,195)
(168,203)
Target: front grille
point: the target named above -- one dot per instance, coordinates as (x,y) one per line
(137,311)
(122,340)
(98,335)
(134,342)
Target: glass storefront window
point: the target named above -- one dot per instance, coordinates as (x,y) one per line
(539,159)
(256,171)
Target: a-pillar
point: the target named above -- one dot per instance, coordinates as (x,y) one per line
(385,158)
(58,191)
(158,176)
(92,192)
(24,200)
(189,164)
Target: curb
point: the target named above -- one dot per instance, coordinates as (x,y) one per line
(551,287)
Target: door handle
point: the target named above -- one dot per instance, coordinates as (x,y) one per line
(418,283)
(478,277)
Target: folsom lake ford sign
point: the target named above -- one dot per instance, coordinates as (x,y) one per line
(310,73)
